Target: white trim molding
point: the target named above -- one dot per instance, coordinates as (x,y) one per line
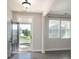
(43,34)
(36,50)
(57,49)
(53,49)
(43,51)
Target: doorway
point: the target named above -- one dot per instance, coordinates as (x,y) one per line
(25,36)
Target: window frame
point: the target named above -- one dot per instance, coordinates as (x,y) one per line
(60,19)
(66,19)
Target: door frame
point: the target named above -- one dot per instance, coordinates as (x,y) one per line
(18,26)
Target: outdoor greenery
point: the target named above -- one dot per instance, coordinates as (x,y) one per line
(27,34)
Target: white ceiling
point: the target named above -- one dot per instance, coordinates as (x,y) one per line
(39,6)
(61,7)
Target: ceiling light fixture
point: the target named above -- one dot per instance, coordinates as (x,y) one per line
(26,4)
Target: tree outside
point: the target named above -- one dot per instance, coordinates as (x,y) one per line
(26,34)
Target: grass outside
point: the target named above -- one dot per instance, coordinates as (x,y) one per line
(24,41)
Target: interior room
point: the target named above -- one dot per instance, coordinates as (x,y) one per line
(39,29)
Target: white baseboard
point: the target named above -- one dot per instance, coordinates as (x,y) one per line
(57,49)
(53,49)
(36,50)
(43,51)
(39,50)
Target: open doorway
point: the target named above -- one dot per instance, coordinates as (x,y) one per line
(25,36)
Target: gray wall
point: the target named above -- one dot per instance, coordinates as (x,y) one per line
(50,44)
(56,44)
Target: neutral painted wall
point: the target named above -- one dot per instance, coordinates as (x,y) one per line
(36,28)
(50,44)
(56,44)
(9,17)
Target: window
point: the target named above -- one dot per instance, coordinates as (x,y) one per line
(65,29)
(54,28)
(14,31)
(59,29)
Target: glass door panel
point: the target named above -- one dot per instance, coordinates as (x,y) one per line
(24,37)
